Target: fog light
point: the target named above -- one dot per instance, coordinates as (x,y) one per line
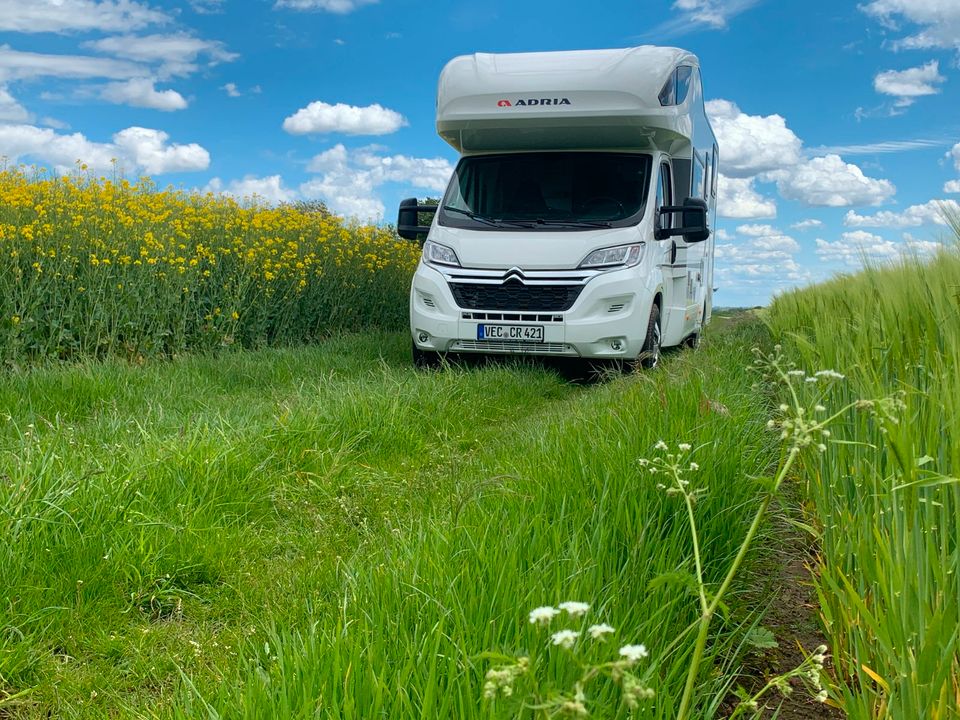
(423,337)
(616,345)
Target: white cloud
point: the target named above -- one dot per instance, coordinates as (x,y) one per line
(929,213)
(761,258)
(140,92)
(807,224)
(951,186)
(10,109)
(955,154)
(693,15)
(751,144)
(47,146)
(339,7)
(207,7)
(907,85)
(134,149)
(18,65)
(763,147)
(858,246)
(939,21)
(231,90)
(320,117)
(737,198)
(348,180)
(268,189)
(61,16)
(149,149)
(831,182)
(888,146)
(177,54)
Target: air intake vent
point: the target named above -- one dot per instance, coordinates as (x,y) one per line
(514,295)
(615,307)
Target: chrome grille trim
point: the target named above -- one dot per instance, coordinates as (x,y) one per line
(512,347)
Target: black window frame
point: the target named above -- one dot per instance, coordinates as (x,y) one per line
(666,221)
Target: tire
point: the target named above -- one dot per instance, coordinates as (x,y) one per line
(649,356)
(693,341)
(424,359)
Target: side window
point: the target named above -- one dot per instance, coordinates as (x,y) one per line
(696,190)
(664,193)
(684,72)
(668,96)
(716,158)
(707,177)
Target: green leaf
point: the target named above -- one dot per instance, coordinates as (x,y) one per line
(761,637)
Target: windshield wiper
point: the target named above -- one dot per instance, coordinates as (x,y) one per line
(575,223)
(472,215)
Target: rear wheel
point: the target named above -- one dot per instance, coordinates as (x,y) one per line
(424,359)
(693,341)
(649,356)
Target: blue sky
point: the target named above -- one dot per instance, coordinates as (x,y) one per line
(839,123)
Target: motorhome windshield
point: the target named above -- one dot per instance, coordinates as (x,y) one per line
(547,190)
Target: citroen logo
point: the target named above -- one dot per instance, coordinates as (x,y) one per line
(515,273)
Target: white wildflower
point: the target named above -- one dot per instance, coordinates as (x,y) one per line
(784,407)
(810,379)
(684,447)
(694,466)
(565,638)
(796,373)
(633,653)
(598,631)
(821,696)
(575,609)
(661,445)
(543,615)
(819,408)
(831,374)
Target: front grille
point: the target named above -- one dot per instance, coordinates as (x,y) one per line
(513,347)
(514,295)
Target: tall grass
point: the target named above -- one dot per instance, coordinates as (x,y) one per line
(886,497)
(91,267)
(324,532)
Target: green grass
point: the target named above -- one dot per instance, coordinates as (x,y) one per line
(886,498)
(323,532)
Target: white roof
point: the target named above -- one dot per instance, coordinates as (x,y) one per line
(604,98)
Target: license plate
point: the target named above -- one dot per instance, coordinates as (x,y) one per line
(516,333)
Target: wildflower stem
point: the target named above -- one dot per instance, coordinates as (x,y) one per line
(707,615)
(696,548)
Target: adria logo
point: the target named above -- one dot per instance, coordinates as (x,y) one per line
(524,102)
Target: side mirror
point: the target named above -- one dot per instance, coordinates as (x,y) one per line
(693,220)
(408,219)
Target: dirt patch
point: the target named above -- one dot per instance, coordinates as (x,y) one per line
(793,617)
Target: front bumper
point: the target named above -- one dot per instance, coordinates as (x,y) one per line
(607,320)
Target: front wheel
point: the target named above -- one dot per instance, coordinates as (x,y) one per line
(424,359)
(649,356)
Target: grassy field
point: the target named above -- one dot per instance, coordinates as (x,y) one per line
(193,530)
(286,532)
(885,497)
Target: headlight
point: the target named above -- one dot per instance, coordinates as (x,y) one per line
(620,256)
(436,254)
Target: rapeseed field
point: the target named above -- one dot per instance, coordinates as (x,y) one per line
(96,266)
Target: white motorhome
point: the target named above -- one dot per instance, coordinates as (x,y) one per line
(577,220)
